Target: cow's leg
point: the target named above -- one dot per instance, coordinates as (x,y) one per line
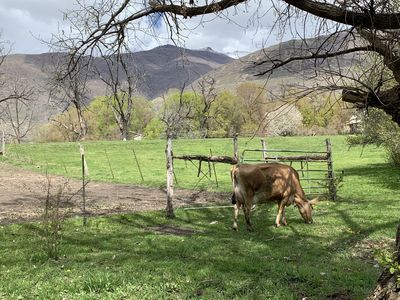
(235,215)
(284,217)
(247,209)
(281,214)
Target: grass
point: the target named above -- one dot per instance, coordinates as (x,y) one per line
(123,257)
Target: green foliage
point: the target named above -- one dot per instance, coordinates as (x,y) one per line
(229,115)
(143,114)
(388,260)
(101,121)
(316,112)
(155,129)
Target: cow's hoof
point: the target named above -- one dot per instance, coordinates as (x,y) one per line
(250,229)
(277,225)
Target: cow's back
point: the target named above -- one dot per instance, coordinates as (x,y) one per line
(268,181)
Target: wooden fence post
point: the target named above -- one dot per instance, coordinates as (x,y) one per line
(331,176)
(264,150)
(3,143)
(235,147)
(137,164)
(170,179)
(84,174)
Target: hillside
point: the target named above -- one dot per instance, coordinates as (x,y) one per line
(163,68)
(229,75)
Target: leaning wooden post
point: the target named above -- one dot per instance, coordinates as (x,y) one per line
(84,174)
(331,176)
(235,147)
(170,179)
(3,143)
(264,150)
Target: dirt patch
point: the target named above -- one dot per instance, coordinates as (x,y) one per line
(22,193)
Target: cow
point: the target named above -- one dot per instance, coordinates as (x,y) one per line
(266,182)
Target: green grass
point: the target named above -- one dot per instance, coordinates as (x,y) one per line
(64,158)
(120,257)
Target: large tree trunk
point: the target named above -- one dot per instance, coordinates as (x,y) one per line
(388,288)
(388,100)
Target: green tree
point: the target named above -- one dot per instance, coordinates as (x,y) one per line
(229,115)
(100,119)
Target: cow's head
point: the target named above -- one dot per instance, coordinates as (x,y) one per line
(305,208)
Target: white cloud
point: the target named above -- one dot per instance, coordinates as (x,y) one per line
(24,21)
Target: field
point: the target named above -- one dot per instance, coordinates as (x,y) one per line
(197,255)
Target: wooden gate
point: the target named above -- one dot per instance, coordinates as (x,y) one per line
(314,167)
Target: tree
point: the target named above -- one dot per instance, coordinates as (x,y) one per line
(17,111)
(208,97)
(68,89)
(375,23)
(121,82)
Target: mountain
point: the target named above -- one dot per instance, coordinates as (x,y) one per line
(246,68)
(161,69)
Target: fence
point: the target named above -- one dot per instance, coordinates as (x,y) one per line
(315,167)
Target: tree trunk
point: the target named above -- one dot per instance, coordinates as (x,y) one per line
(388,101)
(388,288)
(82,123)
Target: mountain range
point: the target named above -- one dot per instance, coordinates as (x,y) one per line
(166,67)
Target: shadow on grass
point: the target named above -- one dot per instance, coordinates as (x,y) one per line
(286,261)
(384,175)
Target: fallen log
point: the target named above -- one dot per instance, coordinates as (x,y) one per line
(213,158)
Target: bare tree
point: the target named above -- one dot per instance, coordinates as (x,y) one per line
(376,24)
(208,96)
(121,81)
(68,89)
(18,110)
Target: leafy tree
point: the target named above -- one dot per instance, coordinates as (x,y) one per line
(101,120)
(155,129)
(254,99)
(179,113)
(229,113)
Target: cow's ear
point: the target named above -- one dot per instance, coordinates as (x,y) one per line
(313,201)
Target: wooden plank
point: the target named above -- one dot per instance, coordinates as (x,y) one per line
(213,158)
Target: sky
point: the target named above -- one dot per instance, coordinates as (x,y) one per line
(24,23)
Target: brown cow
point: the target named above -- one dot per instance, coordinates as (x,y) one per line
(265,182)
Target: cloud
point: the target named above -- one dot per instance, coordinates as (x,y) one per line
(239,30)
(25,23)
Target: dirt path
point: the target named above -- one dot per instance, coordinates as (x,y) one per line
(22,195)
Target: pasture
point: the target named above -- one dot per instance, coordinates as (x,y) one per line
(197,255)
